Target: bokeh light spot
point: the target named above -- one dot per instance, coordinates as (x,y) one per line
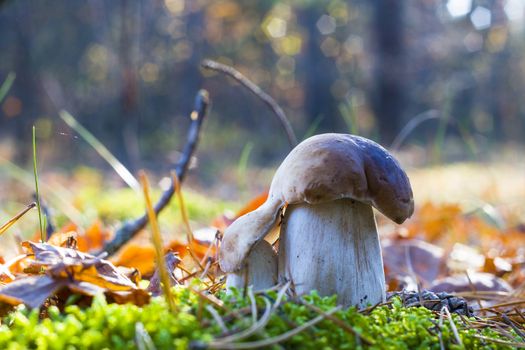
(459,8)
(326,24)
(174,6)
(481,18)
(275,27)
(12,106)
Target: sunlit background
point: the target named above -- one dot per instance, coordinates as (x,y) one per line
(440,80)
(441,84)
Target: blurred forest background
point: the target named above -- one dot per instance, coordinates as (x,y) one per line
(129,70)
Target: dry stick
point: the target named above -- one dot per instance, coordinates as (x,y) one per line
(12,221)
(257,91)
(157,243)
(130,228)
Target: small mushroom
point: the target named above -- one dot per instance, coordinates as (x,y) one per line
(324,190)
(260,271)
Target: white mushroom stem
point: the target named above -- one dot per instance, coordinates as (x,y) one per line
(333,248)
(260,269)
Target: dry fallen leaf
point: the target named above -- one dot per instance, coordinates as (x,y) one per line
(172,261)
(473,282)
(413,259)
(52,268)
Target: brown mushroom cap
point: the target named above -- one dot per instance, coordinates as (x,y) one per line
(320,169)
(327,167)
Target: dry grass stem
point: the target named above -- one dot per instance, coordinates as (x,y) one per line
(452,325)
(183,211)
(254,328)
(12,221)
(217,318)
(274,340)
(157,243)
(345,326)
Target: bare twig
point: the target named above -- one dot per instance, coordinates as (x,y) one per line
(257,91)
(130,228)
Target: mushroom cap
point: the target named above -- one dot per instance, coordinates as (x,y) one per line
(327,167)
(320,169)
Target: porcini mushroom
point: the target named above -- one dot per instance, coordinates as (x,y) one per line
(260,271)
(325,190)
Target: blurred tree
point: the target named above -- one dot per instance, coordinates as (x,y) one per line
(319,71)
(388,93)
(129,70)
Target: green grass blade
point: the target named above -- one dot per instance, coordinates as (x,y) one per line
(119,168)
(313,127)
(6,85)
(242,166)
(42,237)
(349,113)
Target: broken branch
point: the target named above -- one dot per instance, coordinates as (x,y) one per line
(257,91)
(130,228)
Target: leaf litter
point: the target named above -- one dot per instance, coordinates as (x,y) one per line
(422,255)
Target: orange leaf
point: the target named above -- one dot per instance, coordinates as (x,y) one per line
(93,238)
(223,221)
(141,257)
(253,204)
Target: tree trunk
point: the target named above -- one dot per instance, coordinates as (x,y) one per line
(388,93)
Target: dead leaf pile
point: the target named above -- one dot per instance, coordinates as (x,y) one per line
(49,269)
(442,248)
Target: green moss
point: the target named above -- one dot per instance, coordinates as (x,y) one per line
(111,326)
(123,204)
